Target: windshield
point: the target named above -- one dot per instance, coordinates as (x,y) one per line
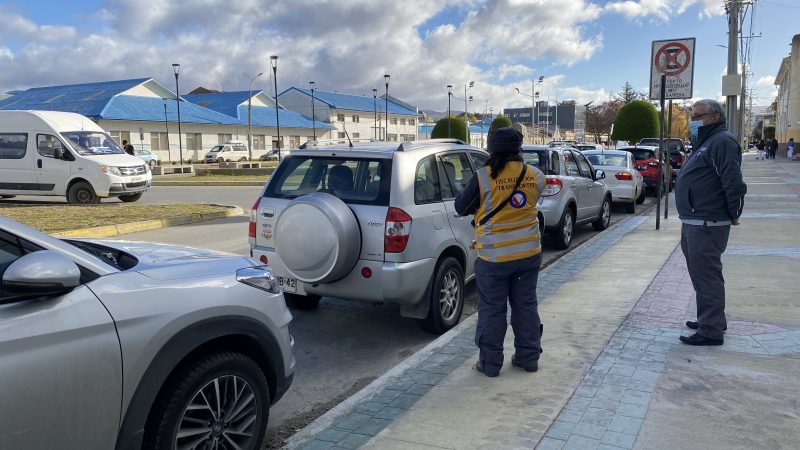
(216,149)
(353,180)
(640,153)
(605,159)
(88,143)
(538,158)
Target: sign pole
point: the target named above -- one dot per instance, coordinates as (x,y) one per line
(669,153)
(660,153)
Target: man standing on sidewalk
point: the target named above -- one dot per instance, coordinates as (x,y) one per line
(709,196)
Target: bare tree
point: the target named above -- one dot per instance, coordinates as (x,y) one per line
(600,117)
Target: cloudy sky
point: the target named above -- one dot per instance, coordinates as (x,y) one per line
(586,49)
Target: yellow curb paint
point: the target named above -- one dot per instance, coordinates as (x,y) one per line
(144,225)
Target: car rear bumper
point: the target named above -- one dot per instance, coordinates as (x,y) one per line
(623,193)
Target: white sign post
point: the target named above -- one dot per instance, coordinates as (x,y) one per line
(673,58)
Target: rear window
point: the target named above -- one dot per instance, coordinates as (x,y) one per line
(586,147)
(640,153)
(608,160)
(354,180)
(538,159)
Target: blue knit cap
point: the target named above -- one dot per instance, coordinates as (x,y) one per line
(505,140)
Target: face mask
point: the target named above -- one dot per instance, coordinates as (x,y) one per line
(694,126)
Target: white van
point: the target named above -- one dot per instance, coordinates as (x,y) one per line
(230,151)
(65,154)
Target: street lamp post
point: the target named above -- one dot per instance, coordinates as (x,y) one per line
(536,100)
(313,113)
(375,111)
(176,68)
(249,116)
(449,95)
(166,128)
(386,133)
(273,61)
(466,107)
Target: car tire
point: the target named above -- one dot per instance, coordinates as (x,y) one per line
(445,297)
(220,160)
(130,198)
(642,196)
(302,302)
(152,163)
(604,220)
(242,159)
(82,193)
(250,403)
(562,237)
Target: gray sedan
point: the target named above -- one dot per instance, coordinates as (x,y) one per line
(129,345)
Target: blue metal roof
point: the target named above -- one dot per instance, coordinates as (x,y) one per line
(234,104)
(88,99)
(151,109)
(351,102)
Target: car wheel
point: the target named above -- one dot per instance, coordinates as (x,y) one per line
(446,297)
(642,196)
(82,193)
(152,163)
(242,159)
(562,237)
(630,208)
(604,220)
(220,160)
(302,302)
(130,198)
(220,400)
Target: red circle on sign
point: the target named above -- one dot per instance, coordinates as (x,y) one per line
(670,53)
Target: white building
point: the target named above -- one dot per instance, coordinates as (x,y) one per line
(356,116)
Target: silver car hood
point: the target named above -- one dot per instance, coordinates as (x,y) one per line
(165,262)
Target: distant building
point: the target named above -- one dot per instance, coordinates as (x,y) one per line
(478,132)
(570,118)
(355,116)
(787,115)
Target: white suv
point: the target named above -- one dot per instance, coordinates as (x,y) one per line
(374,223)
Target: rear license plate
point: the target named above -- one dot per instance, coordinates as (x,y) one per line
(288,284)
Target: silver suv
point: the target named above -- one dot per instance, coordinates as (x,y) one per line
(575,193)
(375,223)
(110,344)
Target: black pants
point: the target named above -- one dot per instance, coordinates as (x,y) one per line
(703,247)
(500,284)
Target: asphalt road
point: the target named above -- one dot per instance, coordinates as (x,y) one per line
(341,346)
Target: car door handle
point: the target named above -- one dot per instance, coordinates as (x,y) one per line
(39,163)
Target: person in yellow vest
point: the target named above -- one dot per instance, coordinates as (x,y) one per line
(503,196)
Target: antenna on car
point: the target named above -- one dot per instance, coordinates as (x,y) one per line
(348,137)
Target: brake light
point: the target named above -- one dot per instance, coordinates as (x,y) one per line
(552,186)
(398,228)
(679,159)
(624,176)
(653,163)
(253,216)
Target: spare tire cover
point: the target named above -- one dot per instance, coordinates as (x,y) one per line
(318,238)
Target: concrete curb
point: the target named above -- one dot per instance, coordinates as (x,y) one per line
(208,183)
(145,225)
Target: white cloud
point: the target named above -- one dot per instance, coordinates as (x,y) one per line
(515,70)
(663,9)
(766,81)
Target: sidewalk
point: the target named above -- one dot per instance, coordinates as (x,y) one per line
(613,373)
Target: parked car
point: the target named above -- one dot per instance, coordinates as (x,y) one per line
(271,155)
(375,223)
(649,165)
(677,152)
(112,344)
(585,147)
(148,157)
(574,194)
(622,178)
(65,154)
(230,151)
(563,143)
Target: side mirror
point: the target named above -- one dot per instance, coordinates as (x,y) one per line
(42,273)
(599,174)
(58,153)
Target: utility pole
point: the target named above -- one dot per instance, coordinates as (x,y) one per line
(733,62)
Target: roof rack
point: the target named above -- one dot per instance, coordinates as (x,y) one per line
(329,142)
(408,145)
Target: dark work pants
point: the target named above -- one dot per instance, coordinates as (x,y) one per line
(499,284)
(703,247)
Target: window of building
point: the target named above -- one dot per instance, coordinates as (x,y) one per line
(393,120)
(194,141)
(402,121)
(341,135)
(223,138)
(356,135)
(411,122)
(120,136)
(340,117)
(408,137)
(259,142)
(159,141)
(355,118)
(391,137)
(13,145)
(294,141)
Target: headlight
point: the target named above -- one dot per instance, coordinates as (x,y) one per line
(110,170)
(260,278)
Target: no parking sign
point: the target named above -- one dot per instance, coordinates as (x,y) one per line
(675,59)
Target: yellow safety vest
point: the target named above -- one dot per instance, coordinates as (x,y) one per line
(513,233)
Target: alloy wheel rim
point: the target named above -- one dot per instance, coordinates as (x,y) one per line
(84,196)
(567,233)
(450,296)
(220,416)
(606,213)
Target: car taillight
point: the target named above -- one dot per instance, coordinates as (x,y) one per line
(253,219)
(679,159)
(552,186)
(653,163)
(623,176)
(398,228)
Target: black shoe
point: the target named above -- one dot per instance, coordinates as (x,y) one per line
(694,325)
(696,339)
(532,367)
(480,369)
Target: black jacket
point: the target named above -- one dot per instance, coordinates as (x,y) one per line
(710,185)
